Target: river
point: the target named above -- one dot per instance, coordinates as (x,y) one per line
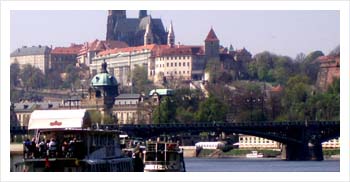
(250,165)
(259,165)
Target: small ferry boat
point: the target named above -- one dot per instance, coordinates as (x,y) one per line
(254,154)
(64,142)
(163,157)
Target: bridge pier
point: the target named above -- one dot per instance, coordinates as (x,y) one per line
(304,151)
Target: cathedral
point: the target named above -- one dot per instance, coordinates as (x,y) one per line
(132,30)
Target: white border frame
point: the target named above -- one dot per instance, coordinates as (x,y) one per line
(342,6)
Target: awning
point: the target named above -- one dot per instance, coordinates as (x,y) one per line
(46,119)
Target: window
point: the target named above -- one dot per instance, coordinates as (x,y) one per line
(171,64)
(188,63)
(184,64)
(167,64)
(175,64)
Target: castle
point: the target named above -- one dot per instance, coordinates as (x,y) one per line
(132,30)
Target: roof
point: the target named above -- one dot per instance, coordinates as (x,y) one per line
(162,92)
(180,50)
(34,50)
(104,79)
(128,96)
(73,49)
(277,88)
(100,45)
(46,119)
(127,49)
(211,36)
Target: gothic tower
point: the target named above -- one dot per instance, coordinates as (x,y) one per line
(113,17)
(148,37)
(171,36)
(212,44)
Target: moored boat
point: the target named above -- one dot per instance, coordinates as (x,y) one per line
(163,157)
(64,142)
(254,154)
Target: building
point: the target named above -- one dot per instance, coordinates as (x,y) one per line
(90,50)
(132,30)
(23,110)
(329,71)
(37,56)
(253,142)
(127,108)
(179,63)
(61,57)
(121,61)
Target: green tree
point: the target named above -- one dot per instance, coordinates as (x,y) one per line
(295,96)
(14,74)
(212,110)
(32,77)
(310,67)
(140,79)
(165,112)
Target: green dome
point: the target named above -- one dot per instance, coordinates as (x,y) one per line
(103,79)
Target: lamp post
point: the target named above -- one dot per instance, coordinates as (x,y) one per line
(251,100)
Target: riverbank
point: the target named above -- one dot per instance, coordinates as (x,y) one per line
(329,154)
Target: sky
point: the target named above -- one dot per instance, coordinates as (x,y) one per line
(283,32)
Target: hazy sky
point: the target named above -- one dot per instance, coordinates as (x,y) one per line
(281,32)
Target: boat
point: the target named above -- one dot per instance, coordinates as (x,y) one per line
(163,157)
(254,154)
(65,142)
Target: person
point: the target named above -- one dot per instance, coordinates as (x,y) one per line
(26,147)
(64,148)
(33,149)
(42,148)
(72,147)
(52,147)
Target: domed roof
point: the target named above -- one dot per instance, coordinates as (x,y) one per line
(103,79)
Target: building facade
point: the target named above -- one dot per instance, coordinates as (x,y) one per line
(37,56)
(329,71)
(61,57)
(90,50)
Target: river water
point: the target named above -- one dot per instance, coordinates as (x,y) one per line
(249,165)
(259,165)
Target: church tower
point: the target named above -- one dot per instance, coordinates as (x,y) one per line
(113,17)
(171,36)
(212,44)
(142,14)
(148,37)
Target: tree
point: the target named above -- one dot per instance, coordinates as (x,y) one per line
(212,110)
(32,77)
(14,74)
(295,96)
(140,79)
(310,67)
(165,112)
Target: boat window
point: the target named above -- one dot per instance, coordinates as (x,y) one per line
(150,156)
(160,156)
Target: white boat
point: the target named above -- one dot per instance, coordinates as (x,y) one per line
(254,154)
(74,146)
(163,157)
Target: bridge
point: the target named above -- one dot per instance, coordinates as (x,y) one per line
(302,140)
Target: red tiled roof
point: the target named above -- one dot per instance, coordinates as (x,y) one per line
(73,49)
(127,49)
(100,45)
(180,50)
(211,36)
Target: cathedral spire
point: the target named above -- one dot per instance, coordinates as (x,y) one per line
(171,35)
(148,37)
